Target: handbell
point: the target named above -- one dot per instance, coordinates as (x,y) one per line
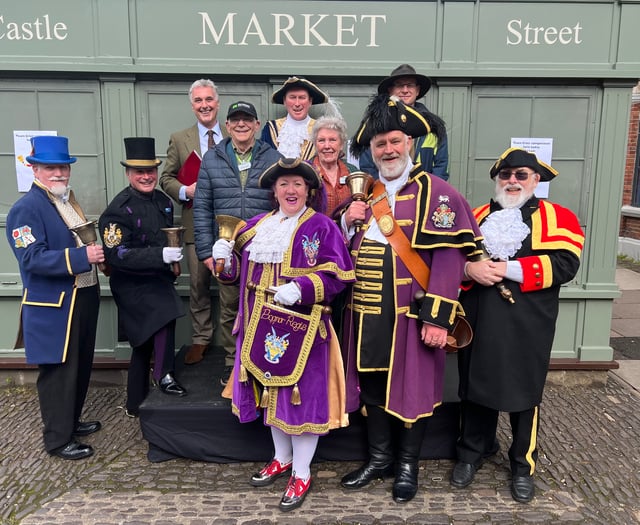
(228,229)
(175,236)
(88,236)
(502,288)
(359,184)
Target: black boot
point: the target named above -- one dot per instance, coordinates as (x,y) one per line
(380,463)
(405,485)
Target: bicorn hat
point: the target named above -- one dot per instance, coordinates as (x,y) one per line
(290,167)
(387,113)
(47,149)
(140,152)
(519,158)
(405,70)
(315,93)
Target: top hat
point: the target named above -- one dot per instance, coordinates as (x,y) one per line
(387,113)
(405,70)
(141,153)
(519,158)
(242,107)
(46,149)
(290,167)
(317,95)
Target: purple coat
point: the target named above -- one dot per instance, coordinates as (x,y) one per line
(321,275)
(442,229)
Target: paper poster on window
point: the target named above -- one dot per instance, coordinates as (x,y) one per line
(22,149)
(543,149)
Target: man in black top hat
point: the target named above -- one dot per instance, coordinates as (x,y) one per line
(142,272)
(430,150)
(534,247)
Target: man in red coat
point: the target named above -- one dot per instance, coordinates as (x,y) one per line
(534,247)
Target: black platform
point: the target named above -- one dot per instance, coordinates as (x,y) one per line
(201,426)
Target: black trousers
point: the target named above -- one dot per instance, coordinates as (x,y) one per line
(161,346)
(62,388)
(478,436)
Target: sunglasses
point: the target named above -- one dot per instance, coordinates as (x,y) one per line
(521,175)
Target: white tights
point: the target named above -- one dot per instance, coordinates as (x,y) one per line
(299,448)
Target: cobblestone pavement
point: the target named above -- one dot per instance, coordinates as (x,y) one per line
(588,472)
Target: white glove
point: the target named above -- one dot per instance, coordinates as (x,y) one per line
(171,255)
(287,293)
(222,249)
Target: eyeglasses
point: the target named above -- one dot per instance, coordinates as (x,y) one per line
(521,175)
(247,119)
(405,85)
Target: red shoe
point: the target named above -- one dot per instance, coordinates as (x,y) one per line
(295,493)
(269,473)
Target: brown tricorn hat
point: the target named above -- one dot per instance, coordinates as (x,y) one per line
(315,93)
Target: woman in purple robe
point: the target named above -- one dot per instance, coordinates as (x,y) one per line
(290,264)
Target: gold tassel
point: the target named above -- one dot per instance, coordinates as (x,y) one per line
(242,375)
(363,410)
(408,425)
(295,395)
(264,401)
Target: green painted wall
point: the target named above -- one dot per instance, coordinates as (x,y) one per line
(101,70)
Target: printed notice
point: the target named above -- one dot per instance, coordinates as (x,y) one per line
(22,149)
(543,149)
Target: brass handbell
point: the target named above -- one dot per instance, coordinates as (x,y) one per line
(228,229)
(88,236)
(174,240)
(359,184)
(502,288)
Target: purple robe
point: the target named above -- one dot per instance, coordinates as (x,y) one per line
(321,271)
(439,223)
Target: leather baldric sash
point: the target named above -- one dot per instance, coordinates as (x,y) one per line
(397,239)
(460,333)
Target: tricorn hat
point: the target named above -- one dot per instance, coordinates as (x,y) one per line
(141,153)
(405,70)
(290,167)
(520,158)
(384,114)
(315,93)
(47,149)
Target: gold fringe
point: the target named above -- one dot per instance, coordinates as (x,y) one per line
(264,401)
(295,395)
(408,425)
(242,375)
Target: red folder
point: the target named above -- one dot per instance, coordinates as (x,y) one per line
(188,173)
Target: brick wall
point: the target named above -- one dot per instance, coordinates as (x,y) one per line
(630,226)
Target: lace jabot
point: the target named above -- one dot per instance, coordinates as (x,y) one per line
(273,237)
(504,232)
(292,135)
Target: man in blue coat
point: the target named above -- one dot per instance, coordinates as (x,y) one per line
(60,301)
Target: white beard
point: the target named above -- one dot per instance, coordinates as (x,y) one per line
(392,172)
(507,200)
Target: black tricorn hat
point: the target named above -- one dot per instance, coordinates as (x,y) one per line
(317,95)
(384,114)
(405,70)
(290,167)
(140,152)
(520,158)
